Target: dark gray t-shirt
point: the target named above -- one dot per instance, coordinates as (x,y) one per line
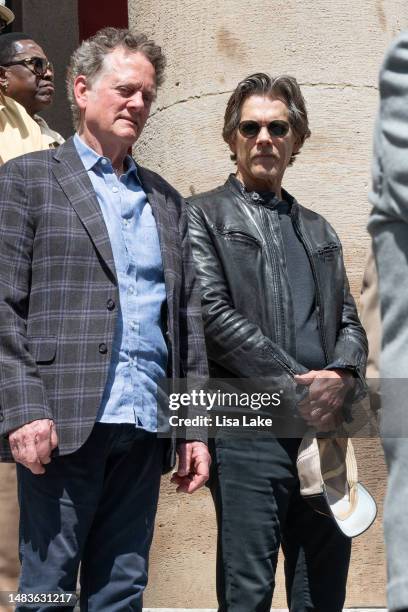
(309,349)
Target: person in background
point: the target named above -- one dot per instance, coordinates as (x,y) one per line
(388,226)
(28,77)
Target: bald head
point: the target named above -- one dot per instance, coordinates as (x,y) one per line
(7,45)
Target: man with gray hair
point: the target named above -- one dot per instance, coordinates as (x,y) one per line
(276,303)
(98,302)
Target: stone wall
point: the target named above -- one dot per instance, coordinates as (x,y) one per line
(54,25)
(334,49)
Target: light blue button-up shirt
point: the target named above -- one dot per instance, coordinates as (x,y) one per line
(139,352)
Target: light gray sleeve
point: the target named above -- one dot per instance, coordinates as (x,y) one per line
(388,223)
(388,226)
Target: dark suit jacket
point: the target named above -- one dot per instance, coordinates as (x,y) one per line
(59,293)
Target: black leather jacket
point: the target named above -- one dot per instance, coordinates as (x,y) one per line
(247,307)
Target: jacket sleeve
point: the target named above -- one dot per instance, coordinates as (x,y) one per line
(351,348)
(388,222)
(233,341)
(193,354)
(22,393)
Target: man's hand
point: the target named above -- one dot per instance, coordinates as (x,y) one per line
(193,466)
(327,391)
(32,444)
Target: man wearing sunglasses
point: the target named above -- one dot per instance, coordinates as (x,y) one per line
(28,77)
(276,304)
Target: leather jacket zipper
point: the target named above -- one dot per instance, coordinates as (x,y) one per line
(284,365)
(319,304)
(239,236)
(273,266)
(275,272)
(275,269)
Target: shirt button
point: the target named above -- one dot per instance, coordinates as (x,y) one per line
(115,189)
(110,304)
(134,325)
(131,290)
(104,161)
(103,349)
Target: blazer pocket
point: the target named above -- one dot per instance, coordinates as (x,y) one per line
(43,349)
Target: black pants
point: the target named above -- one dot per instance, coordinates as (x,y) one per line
(96,506)
(256,494)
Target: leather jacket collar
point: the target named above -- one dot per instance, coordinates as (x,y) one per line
(262,198)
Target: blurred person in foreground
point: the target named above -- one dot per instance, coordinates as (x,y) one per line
(19,133)
(388,226)
(98,302)
(276,303)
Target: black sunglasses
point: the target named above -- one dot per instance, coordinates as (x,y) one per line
(37,65)
(251,129)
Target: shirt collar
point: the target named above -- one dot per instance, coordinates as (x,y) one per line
(267,198)
(40,121)
(91,158)
(2,102)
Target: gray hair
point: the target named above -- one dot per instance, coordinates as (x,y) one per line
(283,87)
(88,58)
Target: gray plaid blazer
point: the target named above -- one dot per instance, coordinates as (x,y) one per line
(59,294)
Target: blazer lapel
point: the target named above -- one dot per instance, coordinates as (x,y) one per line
(157,201)
(74,181)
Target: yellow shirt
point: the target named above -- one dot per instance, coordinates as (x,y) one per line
(19,133)
(51,137)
